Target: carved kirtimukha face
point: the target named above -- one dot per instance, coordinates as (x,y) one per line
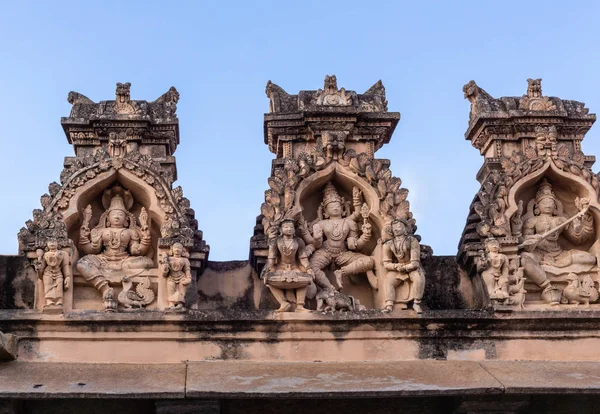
(117,218)
(287,228)
(334,209)
(547,206)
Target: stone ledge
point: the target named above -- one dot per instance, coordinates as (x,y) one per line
(527,377)
(229,379)
(66,380)
(337,379)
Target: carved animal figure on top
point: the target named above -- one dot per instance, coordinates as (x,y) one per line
(142,296)
(334,301)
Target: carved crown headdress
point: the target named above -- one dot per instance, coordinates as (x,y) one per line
(331,195)
(117,198)
(545,191)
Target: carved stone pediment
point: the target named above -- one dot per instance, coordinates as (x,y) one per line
(118,144)
(327,156)
(535,178)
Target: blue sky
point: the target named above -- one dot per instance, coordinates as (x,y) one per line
(220,55)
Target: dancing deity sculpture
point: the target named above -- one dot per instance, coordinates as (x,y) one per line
(402,259)
(116,247)
(54,268)
(287,273)
(342,241)
(543,253)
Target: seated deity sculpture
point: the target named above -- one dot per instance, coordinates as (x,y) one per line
(54,268)
(178,272)
(287,273)
(543,253)
(493,266)
(342,241)
(402,259)
(116,247)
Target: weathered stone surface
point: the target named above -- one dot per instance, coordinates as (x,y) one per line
(56,380)
(17,285)
(8,347)
(527,377)
(306,380)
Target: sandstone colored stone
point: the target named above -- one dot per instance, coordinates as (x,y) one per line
(73,380)
(336,380)
(8,347)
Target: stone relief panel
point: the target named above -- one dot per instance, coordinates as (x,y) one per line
(532,232)
(342,203)
(116,211)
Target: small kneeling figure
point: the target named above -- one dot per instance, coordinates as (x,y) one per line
(178,272)
(402,259)
(287,273)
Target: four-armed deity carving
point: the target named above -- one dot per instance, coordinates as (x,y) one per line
(116,247)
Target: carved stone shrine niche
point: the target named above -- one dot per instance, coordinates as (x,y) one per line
(115,214)
(531,237)
(335,232)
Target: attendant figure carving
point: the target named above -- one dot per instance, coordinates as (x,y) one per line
(287,273)
(54,268)
(543,253)
(178,272)
(494,266)
(336,239)
(116,247)
(402,259)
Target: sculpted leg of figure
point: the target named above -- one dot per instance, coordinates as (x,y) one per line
(135,265)
(279,295)
(352,263)
(390,284)
(418,288)
(319,261)
(300,298)
(533,270)
(90,271)
(171,290)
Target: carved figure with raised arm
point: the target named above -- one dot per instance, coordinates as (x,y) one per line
(402,258)
(177,270)
(336,239)
(287,273)
(54,268)
(543,253)
(116,247)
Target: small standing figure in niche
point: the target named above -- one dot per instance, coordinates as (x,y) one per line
(493,266)
(287,273)
(54,268)
(402,259)
(178,272)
